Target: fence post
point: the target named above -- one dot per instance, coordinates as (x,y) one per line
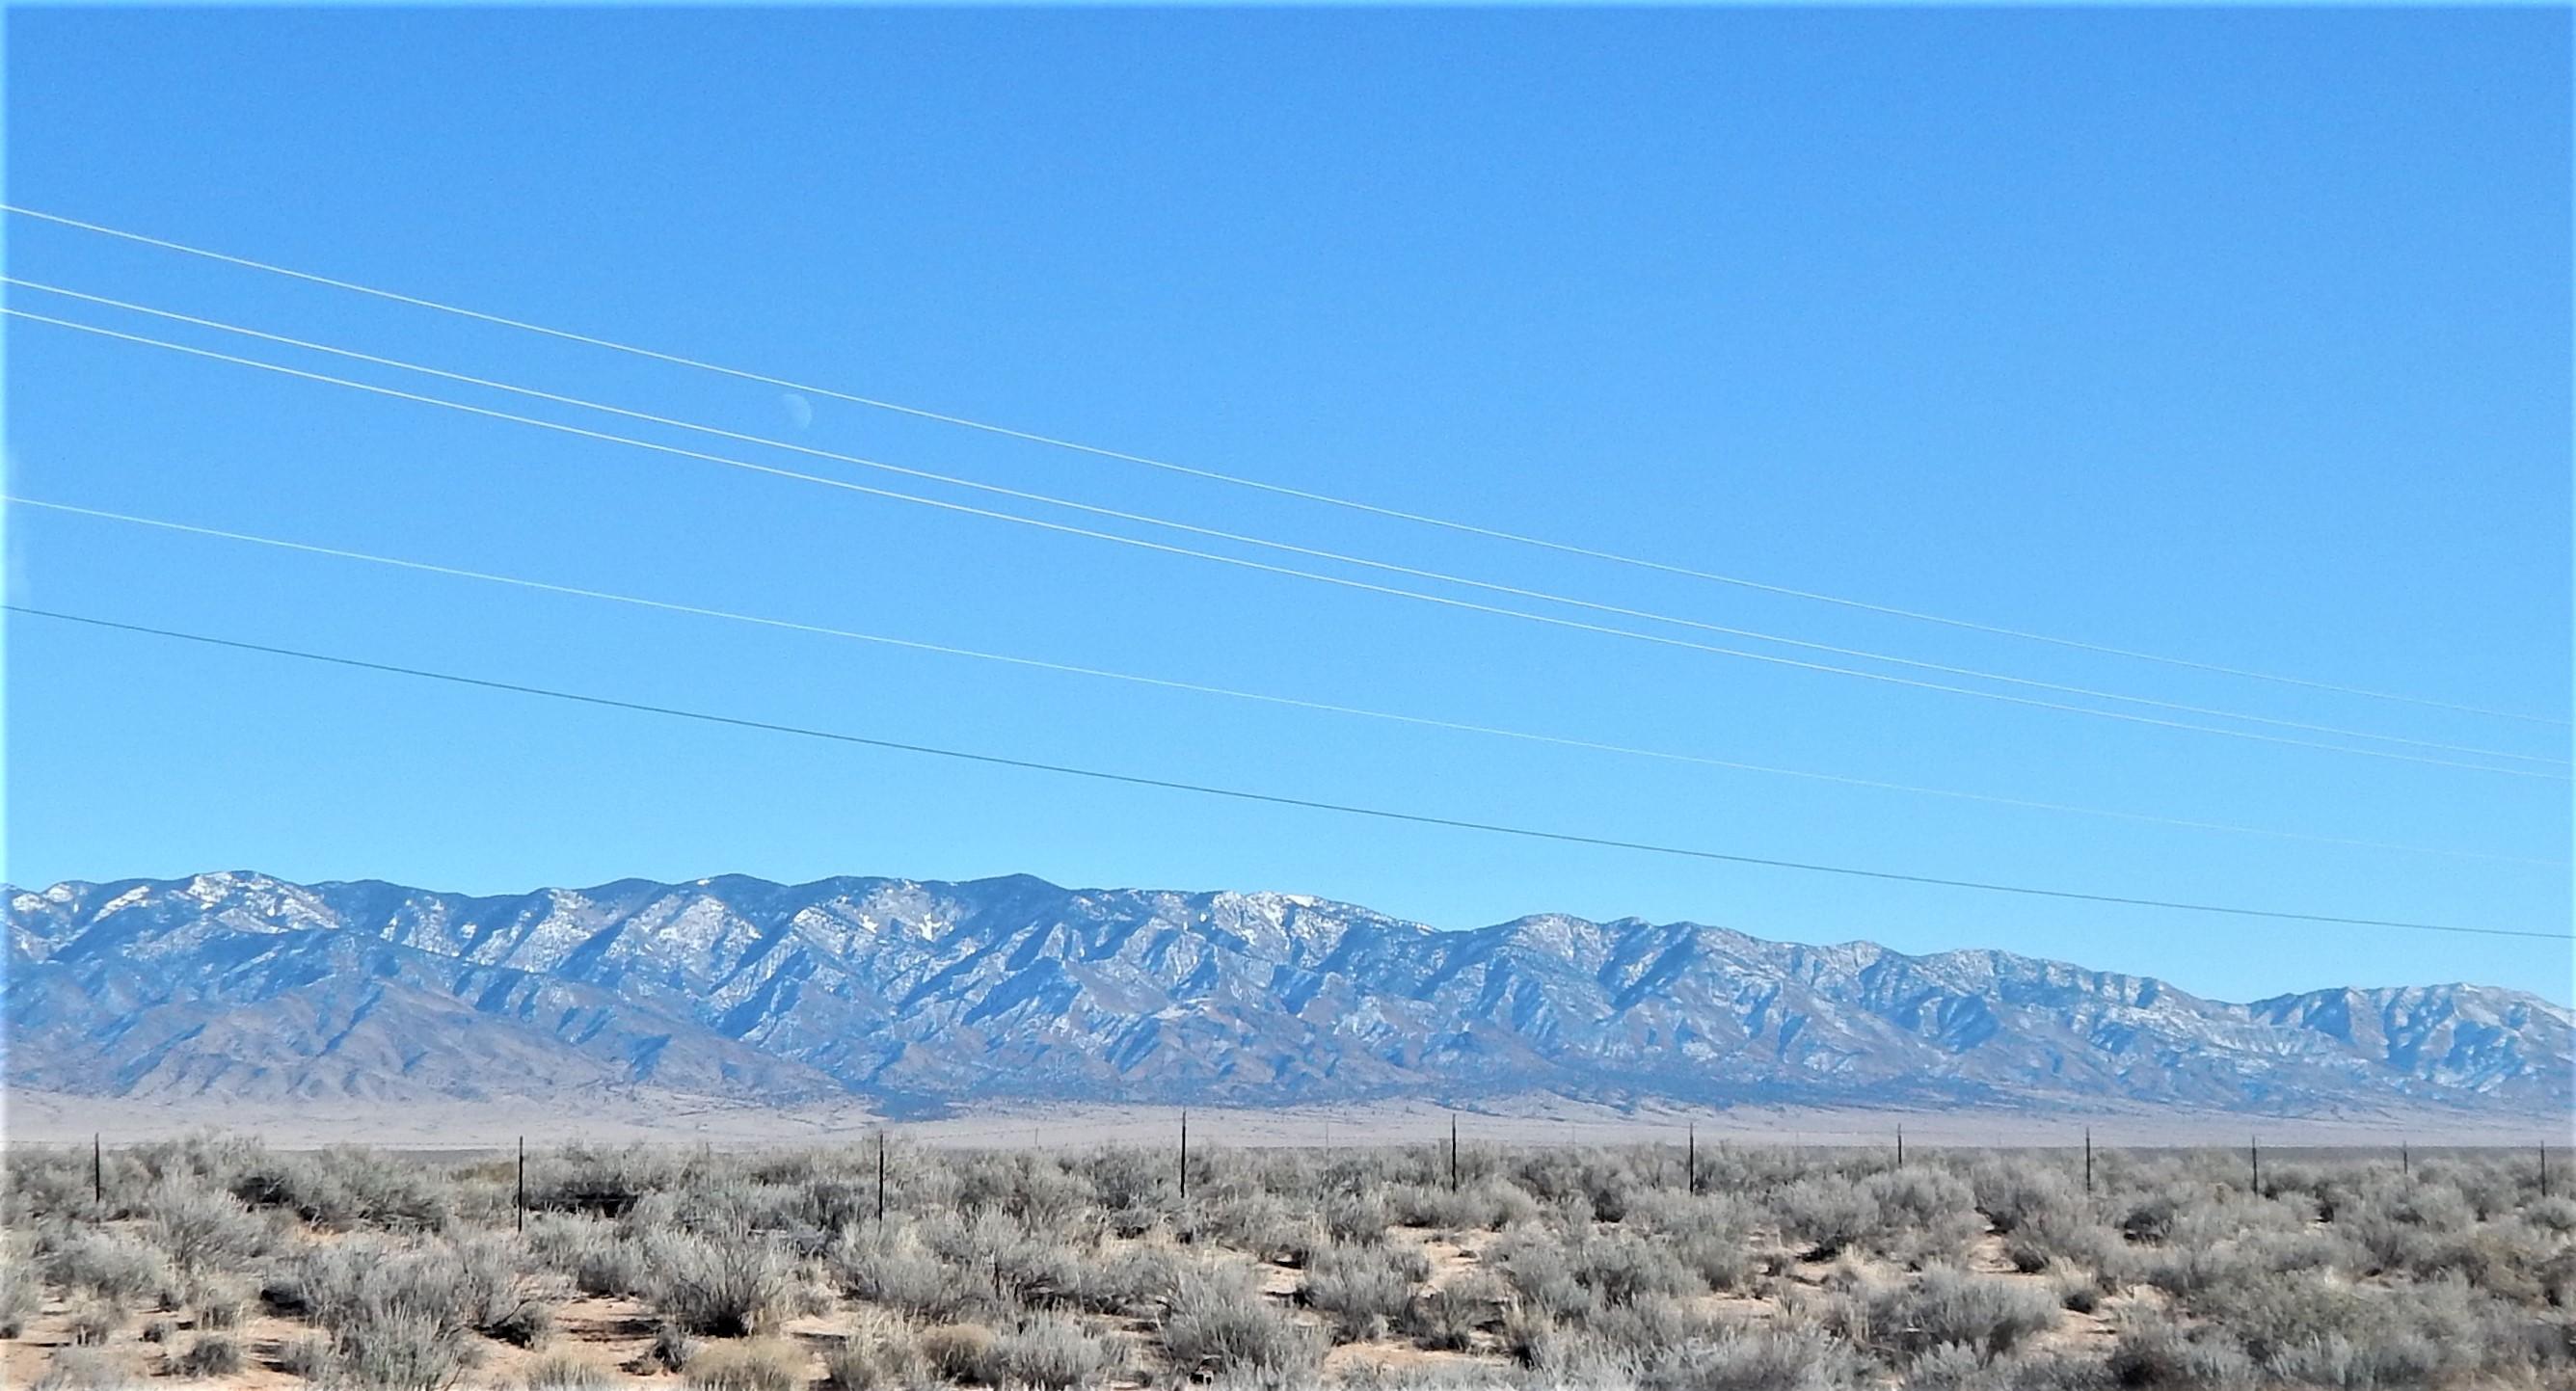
(1185,1154)
(880,1176)
(1453,1151)
(2254,1150)
(2405,1162)
(98,1172)
(523,1183)
(1900,1147)
(1690,1160)
(2088,1159)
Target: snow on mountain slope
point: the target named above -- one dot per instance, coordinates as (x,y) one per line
(241,984)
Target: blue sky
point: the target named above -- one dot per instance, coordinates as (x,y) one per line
(2238,336)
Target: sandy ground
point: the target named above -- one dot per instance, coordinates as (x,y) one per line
(35,1117)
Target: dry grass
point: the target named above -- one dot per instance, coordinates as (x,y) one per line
(1595,1267)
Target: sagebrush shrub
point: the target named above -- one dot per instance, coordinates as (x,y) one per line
(1946,1305)
(211,1355)
(1355,1219)
(1129,1280)
(18,1296)
(1540,1271)
(108,1264)
(964,1352)
(219,1304)
(1821,1217)
(564,1372)
(865,1361)
(95,1321)
(724,1286)
(1446,1318)
(83,1369)
(762,1364)
(396,1349)
(1794,1358)
(346,1187)
(202,1229)
(1360,1289)
(2152,1352)
(1220,1323)
(1585,1265)
(1622,1266)
(672,1349)
(1053,1352)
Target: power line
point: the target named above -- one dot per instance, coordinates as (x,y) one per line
(1263,798)
(1199,688)
(1282,490)
(1268,568)
(1240,538)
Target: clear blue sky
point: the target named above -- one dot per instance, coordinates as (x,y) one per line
(2241,336)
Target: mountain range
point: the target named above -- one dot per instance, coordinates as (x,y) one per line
(925,995)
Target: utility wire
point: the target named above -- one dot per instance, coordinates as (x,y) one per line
(1266,567)
(1266,798)
(1309,552)
(1266,698)
(1282,490)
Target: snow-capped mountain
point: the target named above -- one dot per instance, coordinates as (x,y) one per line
(239,984)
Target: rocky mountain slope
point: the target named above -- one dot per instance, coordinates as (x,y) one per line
(241,985)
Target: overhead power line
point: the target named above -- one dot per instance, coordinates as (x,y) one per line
(1261,697)
(1264,798)
(1338,580)
(1309,552)
(1278,489)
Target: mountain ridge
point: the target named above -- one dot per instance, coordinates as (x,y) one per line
(240,984)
